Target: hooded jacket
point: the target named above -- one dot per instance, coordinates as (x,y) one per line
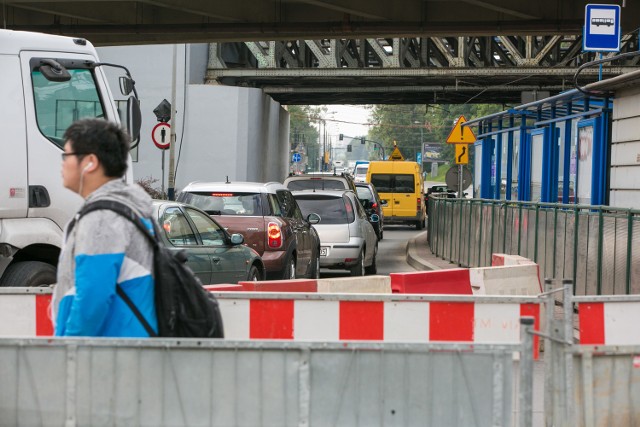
(103,249)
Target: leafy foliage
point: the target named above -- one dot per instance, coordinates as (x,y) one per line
(149,185)
(302,132)
(408,125)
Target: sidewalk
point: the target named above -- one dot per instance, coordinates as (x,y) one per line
(419,255)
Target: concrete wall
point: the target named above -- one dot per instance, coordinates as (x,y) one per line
(223,130)
(625,149)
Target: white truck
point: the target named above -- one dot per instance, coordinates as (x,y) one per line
(47,83)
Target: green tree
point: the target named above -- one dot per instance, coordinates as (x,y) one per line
(303,135)
(411,124)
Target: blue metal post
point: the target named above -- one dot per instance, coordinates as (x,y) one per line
(509,158)
(523,177)
(554,158)
(487,149)
(566,178)
(498,158)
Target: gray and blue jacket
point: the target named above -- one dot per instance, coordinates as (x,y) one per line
(103,249)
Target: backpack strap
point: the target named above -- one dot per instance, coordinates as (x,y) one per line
(128,213)
(119,208)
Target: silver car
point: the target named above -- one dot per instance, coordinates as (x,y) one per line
(347,239)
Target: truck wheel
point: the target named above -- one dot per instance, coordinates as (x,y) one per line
(419,224)
(29,273)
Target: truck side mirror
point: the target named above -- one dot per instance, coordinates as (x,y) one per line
(126,85)
(134,119)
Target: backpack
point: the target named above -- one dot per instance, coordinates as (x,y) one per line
(183,307)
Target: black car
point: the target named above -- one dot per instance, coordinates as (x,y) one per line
(438,191)
(372,204)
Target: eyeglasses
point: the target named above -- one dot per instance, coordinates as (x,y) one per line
(65,155)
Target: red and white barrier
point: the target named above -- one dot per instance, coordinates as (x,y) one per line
(499,260)
(373,317)
(325,317)
(452,282)
(342,285)
(25,314)
(517,279)
(610,323)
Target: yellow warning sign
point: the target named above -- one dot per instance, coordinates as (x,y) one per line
(396,154)
(461,134)
(462,154)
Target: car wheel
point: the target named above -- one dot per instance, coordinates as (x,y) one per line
(419,225)
(358,269)
(290,270)
(373,268)
(29,273)
(254,274)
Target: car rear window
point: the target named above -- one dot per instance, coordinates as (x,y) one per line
(394,183)
(362,170)
(316,184)
(332,210)
(225,203)
(364,193)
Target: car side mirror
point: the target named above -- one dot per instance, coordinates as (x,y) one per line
(237,239)
(375,218)
(313,218)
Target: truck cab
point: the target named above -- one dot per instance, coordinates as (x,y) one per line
(47,83)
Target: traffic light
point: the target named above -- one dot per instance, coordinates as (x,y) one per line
(341,137)
(349,149)
(362,140)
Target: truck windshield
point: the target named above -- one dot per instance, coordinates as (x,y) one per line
(58,104)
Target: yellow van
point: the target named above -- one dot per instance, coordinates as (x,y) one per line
(400,185)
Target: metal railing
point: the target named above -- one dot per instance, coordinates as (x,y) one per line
(164,382)
(598,247)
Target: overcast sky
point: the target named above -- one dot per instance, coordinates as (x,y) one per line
(350,120)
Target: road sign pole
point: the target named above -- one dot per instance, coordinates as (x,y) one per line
(172,142)
(460,189)
(162,167)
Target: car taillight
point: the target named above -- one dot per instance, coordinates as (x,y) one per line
(419,203)
(374,206)
(275,235)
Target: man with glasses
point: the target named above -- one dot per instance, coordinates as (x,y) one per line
(103,250)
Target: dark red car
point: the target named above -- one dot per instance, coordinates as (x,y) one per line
(270,220)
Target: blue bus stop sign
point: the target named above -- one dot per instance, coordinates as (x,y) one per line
(296,158)
(601,28)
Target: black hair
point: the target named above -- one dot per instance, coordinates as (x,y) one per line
(108,141)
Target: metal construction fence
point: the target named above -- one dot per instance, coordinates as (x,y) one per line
(55,382)
(589,385)
(597,247)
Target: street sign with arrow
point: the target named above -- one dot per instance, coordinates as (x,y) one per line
(462,154)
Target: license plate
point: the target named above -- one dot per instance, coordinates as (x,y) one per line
(324,251)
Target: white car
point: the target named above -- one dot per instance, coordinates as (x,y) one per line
(347,238)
